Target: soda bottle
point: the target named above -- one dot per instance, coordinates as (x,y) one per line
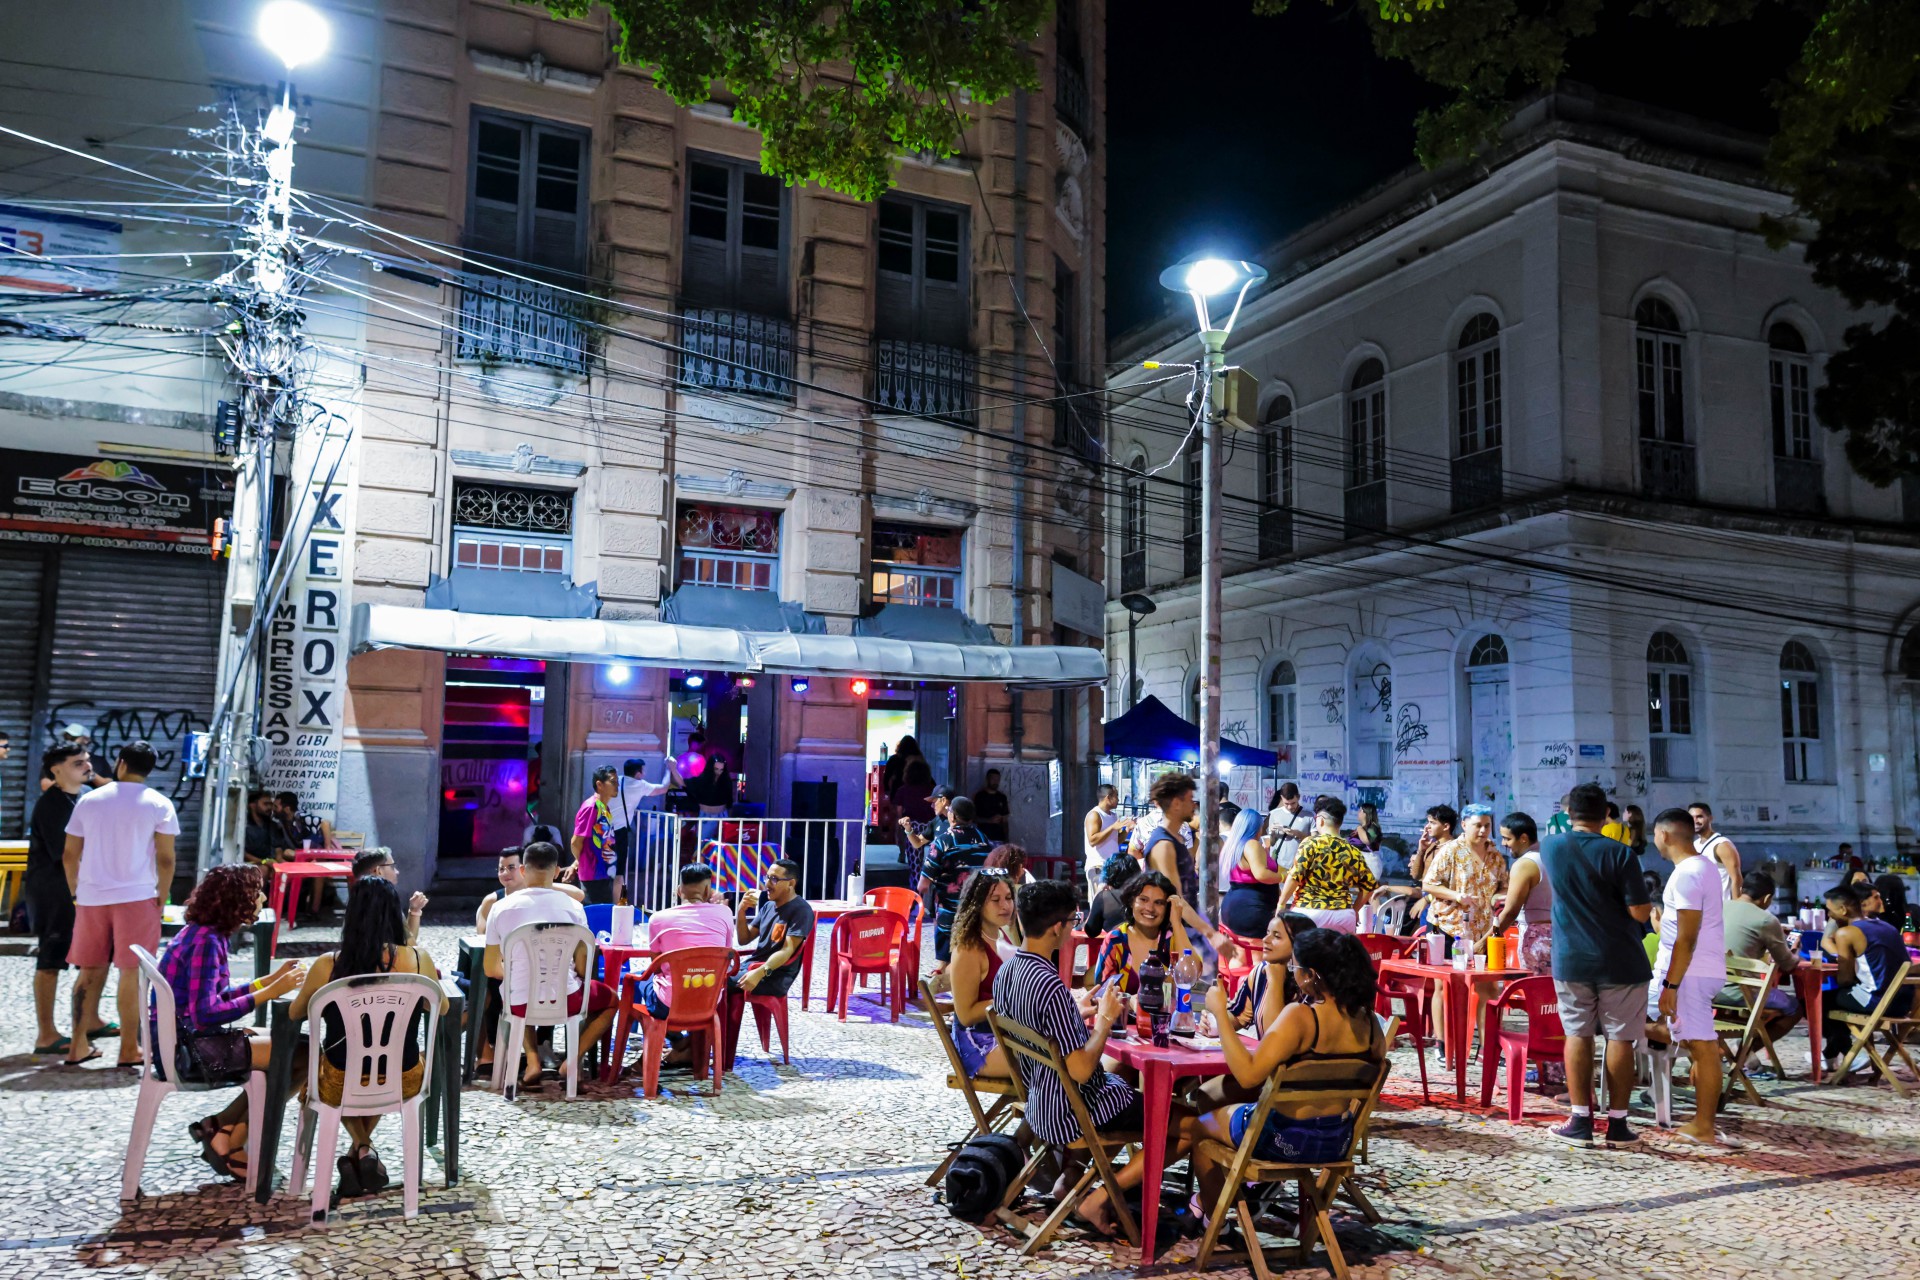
(1186,972)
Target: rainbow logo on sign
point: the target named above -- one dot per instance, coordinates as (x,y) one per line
(117,472)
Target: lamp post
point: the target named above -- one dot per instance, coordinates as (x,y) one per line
(1203,279)
(1138,607)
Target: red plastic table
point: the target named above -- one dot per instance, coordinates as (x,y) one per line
(1461,985)
(1158,1069)
(1807,979)
(825,912)
(616,955)
(289,876)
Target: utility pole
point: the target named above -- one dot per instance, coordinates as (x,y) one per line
(1213,343)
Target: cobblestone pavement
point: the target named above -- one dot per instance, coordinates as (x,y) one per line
(817,1169)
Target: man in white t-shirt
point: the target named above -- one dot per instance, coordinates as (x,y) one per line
(1288,823)
(119,863)
(1691,966)
(540,903)
(630,800)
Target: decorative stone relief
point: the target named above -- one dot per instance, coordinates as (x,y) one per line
(734,484)
(925,502)
(521,460)
(702,413)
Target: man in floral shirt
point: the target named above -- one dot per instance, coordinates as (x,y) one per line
(1464,878)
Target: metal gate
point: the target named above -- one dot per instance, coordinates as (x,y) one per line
(134,655)
(20,578)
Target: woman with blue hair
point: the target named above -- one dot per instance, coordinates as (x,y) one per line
(1251,876)
(1464,877)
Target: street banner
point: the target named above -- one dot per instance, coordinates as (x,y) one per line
(57,252)
(108,502)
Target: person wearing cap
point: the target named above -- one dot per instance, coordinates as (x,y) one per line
(77,735)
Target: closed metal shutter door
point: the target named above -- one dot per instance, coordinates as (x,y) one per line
(135,655)
(20,575)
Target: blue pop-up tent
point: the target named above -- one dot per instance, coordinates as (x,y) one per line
(1152,731)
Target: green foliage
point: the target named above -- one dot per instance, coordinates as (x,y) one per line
(1848,149)
(837,90)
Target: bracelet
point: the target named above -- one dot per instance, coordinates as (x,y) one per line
(1671,986)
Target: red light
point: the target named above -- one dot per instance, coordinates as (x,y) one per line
(451,795)
(744,682)
(859,688)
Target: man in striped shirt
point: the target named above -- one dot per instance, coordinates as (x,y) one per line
(1029,991)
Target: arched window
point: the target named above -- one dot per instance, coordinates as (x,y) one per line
(1283,713)
(1800,714)
(1488,753)
(1910,655)
(1476,387)
(1790,385)
(1370,718)
(1659,372)
(1276,479)
(1193,696)
(1671,752)
(1133,528)
(1488,651)
(1367,424)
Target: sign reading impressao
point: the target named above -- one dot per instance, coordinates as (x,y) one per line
(104,502)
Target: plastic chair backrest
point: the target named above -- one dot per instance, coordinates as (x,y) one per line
(869,937)
(156,998)
(697,977)
(376,1010)
(904,903)
(1381,946)
(1535,998)
(545,953)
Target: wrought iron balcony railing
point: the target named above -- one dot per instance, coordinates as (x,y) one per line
(925,379)
(506,321)
(736,351)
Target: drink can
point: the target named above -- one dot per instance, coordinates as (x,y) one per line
(1162,1029)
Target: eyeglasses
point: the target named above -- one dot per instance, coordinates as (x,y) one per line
(778,880)
(997,872)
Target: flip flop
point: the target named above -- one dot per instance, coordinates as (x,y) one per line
(74,1062)
(59,1048)
(101,1033)
(1718,1146)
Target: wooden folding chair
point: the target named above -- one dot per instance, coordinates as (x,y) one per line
(1362,1128)
(1024,1042)
(1317,1182)
(1756,980)
(1004,1092)
(1895,1030)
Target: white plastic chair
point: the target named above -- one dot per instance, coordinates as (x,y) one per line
(375,1010)
(157,993)
(546,953)
(1657,1061)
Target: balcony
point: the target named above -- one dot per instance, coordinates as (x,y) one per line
(1667,471)
(925,380)
(1477,480)
(1071,100)
(505,321)
(1276,532)
(736,352)
(1078,422)
(1366,509)
(1799,486)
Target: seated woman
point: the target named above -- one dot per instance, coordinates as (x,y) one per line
(1151,928)
(1251,875)
(1335,1024)
(1107,909)
(1258,1002)
(980,946)
(206,1000)
(372,940)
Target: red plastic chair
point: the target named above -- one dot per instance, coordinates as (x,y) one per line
(867,941)
(699,979)
(1543,1040)
(1232,975)
(910,907)
(771,1009)
(1409,999)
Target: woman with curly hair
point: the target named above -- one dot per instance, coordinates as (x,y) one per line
(206,1000)
(1333,1023)
(980,946)
(1152,928)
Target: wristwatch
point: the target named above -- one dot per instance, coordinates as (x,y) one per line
(1671,986)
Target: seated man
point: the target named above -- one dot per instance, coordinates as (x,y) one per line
(379,862)
(1028,990)
(778,925)
(540,903)
(1753,933)
(700,919)
(262,829)
(1870,953)
(513,878)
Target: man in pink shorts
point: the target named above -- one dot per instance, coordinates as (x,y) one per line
(119,861)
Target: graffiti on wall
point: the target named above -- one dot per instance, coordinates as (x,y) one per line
(113,727)
(1332,699)
(1556,755)
(1632,774)
(1235,729)
(1411,730)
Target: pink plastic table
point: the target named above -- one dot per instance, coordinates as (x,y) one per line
(1158,1069)
(1461,985)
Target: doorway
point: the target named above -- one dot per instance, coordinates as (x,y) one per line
(491,729)
(1489,725)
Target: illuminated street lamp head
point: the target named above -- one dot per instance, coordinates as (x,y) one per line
(295,32)
(1204,278)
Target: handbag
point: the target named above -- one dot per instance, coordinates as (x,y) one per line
(213,1057)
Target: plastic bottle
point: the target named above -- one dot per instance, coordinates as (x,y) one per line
(1186,972)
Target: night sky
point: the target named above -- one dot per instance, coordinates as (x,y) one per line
(1227,131)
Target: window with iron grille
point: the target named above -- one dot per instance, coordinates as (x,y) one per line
(512,528)
(1133,533)
(1190,502)
(1367,425)
(1800,740)
(916,564)
(734,547)
(527,193)
(1672,753)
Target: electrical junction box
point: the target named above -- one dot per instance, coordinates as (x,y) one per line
(1240,400)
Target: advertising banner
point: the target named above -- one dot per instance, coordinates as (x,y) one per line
(105,502)
(56,252)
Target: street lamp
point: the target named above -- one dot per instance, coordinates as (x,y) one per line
(1208,281)
(293,32)
(1137,607)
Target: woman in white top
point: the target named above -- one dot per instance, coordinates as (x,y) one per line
(1104,829)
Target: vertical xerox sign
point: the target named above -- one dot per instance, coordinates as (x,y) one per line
(306,659)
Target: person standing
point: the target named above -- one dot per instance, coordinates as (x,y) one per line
(50,902)
(1462,879)
(1330,878)
(1691,966)
(992,810)
(119,864)
(1162,850)
(1717,847)
(1104,827)
(634,791)
(1288,823)
(1529,896)
(595,862)
(1600,970)
(1442,826)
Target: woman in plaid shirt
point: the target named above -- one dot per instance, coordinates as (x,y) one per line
(206,999)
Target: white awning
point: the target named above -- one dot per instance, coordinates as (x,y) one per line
(667,644)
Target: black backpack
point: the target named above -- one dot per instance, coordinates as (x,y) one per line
(980,1174)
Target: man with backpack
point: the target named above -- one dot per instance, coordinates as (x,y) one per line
(950,860)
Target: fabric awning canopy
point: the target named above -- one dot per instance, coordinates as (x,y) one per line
(1154,731)
(667,644)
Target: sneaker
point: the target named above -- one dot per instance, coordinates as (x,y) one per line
(1620,1133)
(1577,1129)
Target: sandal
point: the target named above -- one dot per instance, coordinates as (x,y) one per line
(233,1164)
(349,1177)
(373,1174)
(202,1131)
(102,1032)
(74,1062)
(59,1048)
